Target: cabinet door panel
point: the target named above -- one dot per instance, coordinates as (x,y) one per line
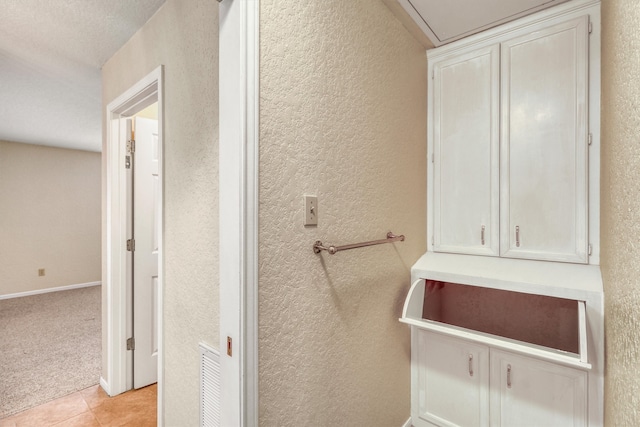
(466,153)
(544,144)
(530,392)
(453,378)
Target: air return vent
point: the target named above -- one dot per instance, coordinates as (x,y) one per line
(209,387)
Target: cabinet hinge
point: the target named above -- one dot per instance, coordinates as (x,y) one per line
(433,74)
(590,27)
(131,146)
(590,249)
(131,245)
(127,162)
(590,138)
(131,343)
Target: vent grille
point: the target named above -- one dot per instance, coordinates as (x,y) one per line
(209,387)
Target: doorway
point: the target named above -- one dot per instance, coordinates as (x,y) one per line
(131,330)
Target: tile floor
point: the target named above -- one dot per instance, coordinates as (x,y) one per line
(92,408)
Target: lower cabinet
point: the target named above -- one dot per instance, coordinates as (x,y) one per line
(528,391)
(453,381)
(461,383)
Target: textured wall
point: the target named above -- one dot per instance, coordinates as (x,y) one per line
(49,217)
(183,36)
(343,89)
(621,208)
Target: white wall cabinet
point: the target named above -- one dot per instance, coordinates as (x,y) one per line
(461,383)
(513,204)
(510,143)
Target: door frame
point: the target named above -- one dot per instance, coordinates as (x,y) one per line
(239,53)
(117,304)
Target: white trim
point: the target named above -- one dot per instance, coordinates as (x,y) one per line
(47,290)
(116,254)
(105,385)
(252,220)
(238,166)
(407,423)
(435,40)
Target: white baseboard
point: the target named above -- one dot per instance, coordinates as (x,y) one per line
(408,423)
(47,290)
(105,385)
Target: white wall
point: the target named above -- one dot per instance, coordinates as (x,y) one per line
(621,208)
(49,217)
(182,36)
(343,116)
(343,91)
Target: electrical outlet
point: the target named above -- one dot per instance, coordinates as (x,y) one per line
(310,210)
(41,272)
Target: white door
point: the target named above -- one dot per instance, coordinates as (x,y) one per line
(466,153)
(530,392)
(453,382)
(146,215)
(545,143)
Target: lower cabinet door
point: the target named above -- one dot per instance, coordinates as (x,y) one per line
(452,382)
(530,392)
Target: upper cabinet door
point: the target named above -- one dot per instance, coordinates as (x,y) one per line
(544,144)
(466,152)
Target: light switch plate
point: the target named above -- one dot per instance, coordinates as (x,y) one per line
(310,210)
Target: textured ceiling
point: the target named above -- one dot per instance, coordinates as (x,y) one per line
(51,52)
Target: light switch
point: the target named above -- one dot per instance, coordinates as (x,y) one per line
(310,210)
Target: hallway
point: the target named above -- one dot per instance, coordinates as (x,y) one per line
(92,408)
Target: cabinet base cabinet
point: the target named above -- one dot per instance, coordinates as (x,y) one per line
(461,383)
(530,392)
(452,381)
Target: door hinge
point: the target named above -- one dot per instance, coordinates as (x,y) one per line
(433,74)
(590,138)
(433,158)
(131,245)
(131,343)
(127,162)
(229,347)
(131,146)
(590,27)
(590,249)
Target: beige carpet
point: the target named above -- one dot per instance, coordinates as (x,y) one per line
(50,346)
